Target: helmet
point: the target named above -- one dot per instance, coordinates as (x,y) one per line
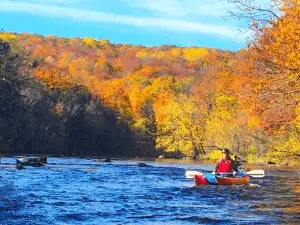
(225,150)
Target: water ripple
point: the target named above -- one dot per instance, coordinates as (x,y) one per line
(81,191)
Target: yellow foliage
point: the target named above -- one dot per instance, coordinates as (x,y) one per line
(279,42)
(64,60)
(79,67)
(227,106)
(193,54)
(177,125)
(297,119)
(251,157)
(187,114)
(90,42)
(219,131)
(8,37)
(147,70)
(140,124)
(176,52)
(11,39)
(104,42)
(137,78)
(135,98)
(254,122)
(221,123)
(159,55)
(53,79)
(142,54)
(162,84)
(289,148)
(214,155)
(75,41)
(113,93)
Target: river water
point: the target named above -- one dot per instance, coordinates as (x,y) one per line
(82,191)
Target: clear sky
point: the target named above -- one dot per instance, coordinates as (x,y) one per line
(145,22)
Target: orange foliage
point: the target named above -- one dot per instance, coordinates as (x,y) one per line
(53,77)
(44,50)
(254,90)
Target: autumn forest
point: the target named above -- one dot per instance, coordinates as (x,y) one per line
(86,95)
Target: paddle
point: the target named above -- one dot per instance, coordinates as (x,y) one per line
(253,173)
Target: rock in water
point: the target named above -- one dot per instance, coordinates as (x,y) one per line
(142,164)
(31,161)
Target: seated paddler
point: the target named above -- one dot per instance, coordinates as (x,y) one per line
(225,165)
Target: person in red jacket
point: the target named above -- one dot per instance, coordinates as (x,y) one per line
(224,165)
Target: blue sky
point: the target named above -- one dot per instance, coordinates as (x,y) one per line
(145,22)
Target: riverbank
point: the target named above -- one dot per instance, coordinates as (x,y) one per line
(100,158)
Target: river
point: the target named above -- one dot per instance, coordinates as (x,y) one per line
(84,191)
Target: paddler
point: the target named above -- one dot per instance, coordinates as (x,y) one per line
(225,165)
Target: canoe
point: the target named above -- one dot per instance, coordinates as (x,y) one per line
(208,178)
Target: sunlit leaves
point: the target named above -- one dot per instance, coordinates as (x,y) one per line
(279,43)
(11,39)
(91,42)
(53,78)
(220,125)
(104,42)
(8,37)
(188,98)
(193,54)
(178,129)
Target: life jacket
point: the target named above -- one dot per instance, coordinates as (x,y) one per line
(224,166)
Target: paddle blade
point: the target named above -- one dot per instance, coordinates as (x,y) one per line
(256,173)
(191,174)
(257,176)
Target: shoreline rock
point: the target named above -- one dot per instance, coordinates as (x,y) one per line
(30,161)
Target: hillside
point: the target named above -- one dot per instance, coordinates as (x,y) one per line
(38,120)
(92,96)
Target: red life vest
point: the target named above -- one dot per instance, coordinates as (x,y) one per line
(224,166)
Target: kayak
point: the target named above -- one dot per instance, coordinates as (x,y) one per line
(206,179)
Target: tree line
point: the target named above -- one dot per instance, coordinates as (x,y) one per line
(186,101)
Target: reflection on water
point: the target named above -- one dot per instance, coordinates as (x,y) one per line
(81,191)
(294,207)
